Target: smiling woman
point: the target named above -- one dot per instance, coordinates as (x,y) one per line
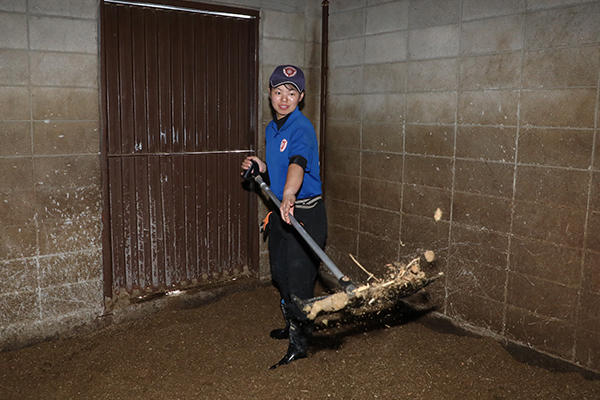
(292,165)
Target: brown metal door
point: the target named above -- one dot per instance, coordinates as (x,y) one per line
(179,88)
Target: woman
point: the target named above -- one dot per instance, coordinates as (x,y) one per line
(292,165)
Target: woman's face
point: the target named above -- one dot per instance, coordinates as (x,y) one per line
(284,99)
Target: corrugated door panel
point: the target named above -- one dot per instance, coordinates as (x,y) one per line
(180,109)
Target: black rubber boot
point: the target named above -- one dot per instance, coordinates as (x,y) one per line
(298,348)
(282,333)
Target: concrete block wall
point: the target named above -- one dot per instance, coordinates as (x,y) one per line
(487,111)
(50,188)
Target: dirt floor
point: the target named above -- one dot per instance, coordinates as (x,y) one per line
(222,350)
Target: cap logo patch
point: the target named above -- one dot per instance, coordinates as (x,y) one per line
(289,71)
(283,145)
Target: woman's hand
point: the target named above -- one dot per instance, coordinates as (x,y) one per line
(247,163)
(287,206)
(293,182)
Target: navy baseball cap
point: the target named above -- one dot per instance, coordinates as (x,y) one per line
(287,74)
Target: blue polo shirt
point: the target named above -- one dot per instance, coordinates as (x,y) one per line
(296,137)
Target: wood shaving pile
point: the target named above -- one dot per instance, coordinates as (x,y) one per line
(400,280)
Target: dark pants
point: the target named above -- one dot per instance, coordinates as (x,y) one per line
(294,265)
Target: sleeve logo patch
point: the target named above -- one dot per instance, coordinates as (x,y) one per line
(283,145)
(289,71)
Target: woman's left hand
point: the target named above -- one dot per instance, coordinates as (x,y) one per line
(287,206)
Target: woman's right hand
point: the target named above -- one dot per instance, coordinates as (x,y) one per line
(247,163)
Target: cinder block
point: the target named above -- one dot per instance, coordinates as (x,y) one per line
(428,171)
(479,211)
(282,25)
(388,77)
(346,25)
(14,103)
(382,137)
(13,31)
(540,4)
(344,107)
(474,9)
(484,177)
(339,163)
(63,34)
(13,5)
(424,233)
(542,297)
(76,9)
(19,307)
(15,138)
(346,52)
(387,47)
(565,107)
(468,278)
(571,26)
(433,75)
(560,225)
(381,194)
(18,241)
(424,201)
(587,351)
(481,311)
(561,67)
(75,137)
(57,301)
(68,203)
(477,245)
(488,107)
(556,147)
(492,35)
(426,13)
(486,143)
(342,135)
(15,67)
(340,6)
(342,213)
(18,207)
(345,80)
(387,17)
(63,69)
(382,223)
(591,276)
(432,107)
(497,71)
(276,51)
(312,28)
(377,165)
(65,104)
(342,187)
(18,276)
(66,172)
(554,186)
(593,231)
(279,5)
(66,235)
(439,41)
(430,140)
(312,54)
(546,261)
(525,324)
(384,107)
(76,267)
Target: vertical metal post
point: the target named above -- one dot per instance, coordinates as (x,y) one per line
(324,71)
